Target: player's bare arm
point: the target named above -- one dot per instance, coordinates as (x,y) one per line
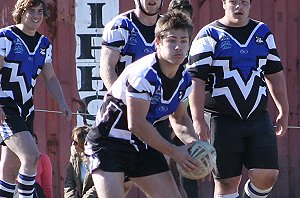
(182,124)
(277,86)
(55,89)
(137,110)
(108,62)
(196,101)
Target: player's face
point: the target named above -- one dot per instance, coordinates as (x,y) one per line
(32,18)
(78,145)
(174,46)
(151,6)
(237,12)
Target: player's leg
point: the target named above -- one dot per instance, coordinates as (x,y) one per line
(109,184)
(158,185)
(229,144)
(9,166)
(24,147)
(262,159)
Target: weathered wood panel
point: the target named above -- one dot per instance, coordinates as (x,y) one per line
(282,17)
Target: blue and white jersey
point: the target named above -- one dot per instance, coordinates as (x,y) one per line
(142,79)
(233,61)
(20,69)
(131,38)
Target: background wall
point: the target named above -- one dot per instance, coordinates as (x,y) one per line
(283,18)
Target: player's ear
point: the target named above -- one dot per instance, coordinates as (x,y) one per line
(157,42)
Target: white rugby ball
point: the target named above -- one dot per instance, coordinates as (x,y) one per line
(205,154)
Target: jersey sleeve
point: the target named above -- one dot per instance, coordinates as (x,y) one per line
(48,58)
(115,34)
(273,64)
(201,55)
(139,87)
(3,44)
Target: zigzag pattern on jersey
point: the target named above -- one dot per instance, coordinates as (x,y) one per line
(20,71)
(236,70)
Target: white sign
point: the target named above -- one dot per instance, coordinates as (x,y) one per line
(90,18)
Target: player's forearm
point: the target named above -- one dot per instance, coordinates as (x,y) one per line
(147,133)
(55,90)
(183,129)
(196,100)
(277,88)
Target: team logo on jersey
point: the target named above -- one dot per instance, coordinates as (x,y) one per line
(18,47)
(132,38)
(43,51)
(259,40)
(225,42)
(155,99)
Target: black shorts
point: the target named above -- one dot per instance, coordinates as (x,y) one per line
(252,143)
(14,123)
(118,156)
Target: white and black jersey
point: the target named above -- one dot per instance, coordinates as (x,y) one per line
(142,79)
(24,58)
(233,61)
(126,34)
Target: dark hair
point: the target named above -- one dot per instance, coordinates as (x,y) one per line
(184,6)
(22,5)
(173,20)
(80,132)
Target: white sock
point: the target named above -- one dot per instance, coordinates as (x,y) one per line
(254,192)
(233,195)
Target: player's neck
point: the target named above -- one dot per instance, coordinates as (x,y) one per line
(145,19)
(167,68)
(25,30)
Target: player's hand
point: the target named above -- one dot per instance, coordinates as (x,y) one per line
(66,111)
(2,115)
(281,125)
(181,155)
(202,129)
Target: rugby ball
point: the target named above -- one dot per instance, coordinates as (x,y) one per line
(205,154)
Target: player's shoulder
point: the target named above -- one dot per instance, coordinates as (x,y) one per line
(5,31)
(122,20)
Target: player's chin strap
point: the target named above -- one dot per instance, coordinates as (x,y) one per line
(144,11)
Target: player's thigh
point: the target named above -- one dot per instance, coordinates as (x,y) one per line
(229,144)
(23,145)
(9,164)
(109,184)
(262,151)
(158,185)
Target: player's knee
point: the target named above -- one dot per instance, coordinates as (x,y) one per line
(264,178)
(31,160)
(228,185)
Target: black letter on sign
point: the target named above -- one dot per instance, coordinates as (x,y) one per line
(96,15)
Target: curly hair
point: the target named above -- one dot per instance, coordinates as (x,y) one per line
(22,5)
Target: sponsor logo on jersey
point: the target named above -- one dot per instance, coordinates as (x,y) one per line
(43,51)
(180,94)
(148,50)
(244,51)
(259,40)
(163,108)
